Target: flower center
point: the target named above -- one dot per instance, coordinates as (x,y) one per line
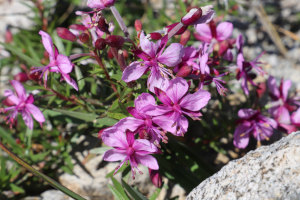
(130,151)
(177,108)
(148,122)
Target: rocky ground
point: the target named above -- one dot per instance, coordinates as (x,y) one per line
(277,33)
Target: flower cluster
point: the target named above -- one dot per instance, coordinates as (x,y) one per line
(181,80)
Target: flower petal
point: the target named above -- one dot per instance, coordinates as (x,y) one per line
(70,81)
(36,113)
(48,44)
(19,88)
(224,31)
(241,136)
(194,102)
(178,87)
(147,160)
(204,32)
(246,113)
(147,46)
(272,86)
(64,63)
(114,138)
(207,15)
(95,4)
(134,71)
(129,123)
(27,119)
(172,55)
(142,147)
(114,155)
(143,100)
(285,86)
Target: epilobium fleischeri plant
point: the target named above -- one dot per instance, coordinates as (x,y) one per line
(171,83)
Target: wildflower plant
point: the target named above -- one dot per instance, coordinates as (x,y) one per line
(150,94)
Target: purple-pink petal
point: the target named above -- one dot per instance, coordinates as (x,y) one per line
(36,113)
(19,88)
(70,81)
(114,155)
(204,32)
(142,147)
(224,31)
(134,71)
(286,85)
(48,44)
(178,87)
(246,113)
(27,119)
(148,161)
(172,55)
(143,100)
(241,136)
(147,46)
(295,118)
(207,15)
(64,63)
(194,102)
(95,4)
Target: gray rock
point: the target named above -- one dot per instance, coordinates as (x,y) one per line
(54,195)
(269,172)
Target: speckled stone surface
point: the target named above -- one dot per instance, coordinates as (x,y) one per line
(270,173)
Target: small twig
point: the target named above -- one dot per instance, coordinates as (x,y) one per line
(120,21)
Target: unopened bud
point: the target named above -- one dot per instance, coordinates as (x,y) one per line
(115,41)
(84,38)
(184,71)
(65,34)
(192,16)
(180,31)
(8,36)
(110,54)
(78,27)
(108,3)
(125,54)
(103,25)
(138,25)
(21,77)
(185,37)
(100,44)
(34,76)
(155,36)
(155,177)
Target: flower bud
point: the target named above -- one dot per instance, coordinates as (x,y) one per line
(184,38)
(7,102)
(180,31)
(34,76)
(78,27)
(115,41)
(21,77)
(100,44)
(108,3)
(192,16)
(155,177)
(65,34)
(184,71)
(110,55)
(138,25)
(103,25)
(84,38)
(8,36)
(155,36)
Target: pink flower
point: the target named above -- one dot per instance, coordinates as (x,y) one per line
(100,4)
(22,103)
(252,122)
(206,32)
(58,63)
(126,148)
(154,58)
(244,67)
(282,105)
(177,103)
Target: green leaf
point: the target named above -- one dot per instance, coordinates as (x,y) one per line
(100,150)
(119,187)
(136,195)
(106,121)
(116,115)
(20,54)
(115,192)
(16,188)
(9,139)
(88,117)
(79,77)
(155,194)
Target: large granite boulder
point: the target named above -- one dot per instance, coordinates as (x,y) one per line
(269,172)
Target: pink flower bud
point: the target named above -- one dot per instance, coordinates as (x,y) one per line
(192,16)
(155,177)
(170,27)
(155,36)
(8,36)
(65,34)
(100,44)
(21,77)
(185,37)
(184,71)
(84,37)
(108,3)
(138,25)
(115,41)
(78,27)
(103,25)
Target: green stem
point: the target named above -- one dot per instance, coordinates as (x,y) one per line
(52,182)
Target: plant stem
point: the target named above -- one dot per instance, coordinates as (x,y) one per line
(120,21)
(52,182)
(99,61)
